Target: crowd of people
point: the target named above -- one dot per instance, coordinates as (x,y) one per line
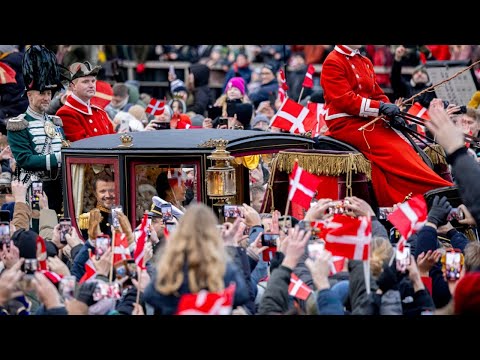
(151,267)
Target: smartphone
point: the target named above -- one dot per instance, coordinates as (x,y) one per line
(131,268)
(232,211)
(115,221)
(65,228)
(214,111)
(402,258)
(452,262)
(270,240)
(30,266)
(166,212)
(162,125)
(101,245)
(121,271)
(5,233)
(383,212)
(67,287)
(149,223)
(315,249)
(338,207)
(4,215)
(455,214)
(287,219)
(37,192)
(222,121)
(171,70)
(101,291)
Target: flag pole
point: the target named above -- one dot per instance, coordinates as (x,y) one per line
(137,301)
(286,214)
(366,274)
(110,275)
(301,93)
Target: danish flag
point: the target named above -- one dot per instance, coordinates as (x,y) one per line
(207,303)
(155,107)
(283,81)
(120,246)
(349,237)
(308,81)
(409,217)
(319,111)
(139,253)
(302,186)
(298,288)
(90,271)
(419,111)
(337,264)
(294,118)
(41,253)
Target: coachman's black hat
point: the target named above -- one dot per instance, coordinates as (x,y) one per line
(79,70)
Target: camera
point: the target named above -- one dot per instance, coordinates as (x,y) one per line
(270,240)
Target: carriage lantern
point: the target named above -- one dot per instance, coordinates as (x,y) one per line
(221,185)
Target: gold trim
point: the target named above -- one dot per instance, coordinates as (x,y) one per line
(325,164)
(435,157)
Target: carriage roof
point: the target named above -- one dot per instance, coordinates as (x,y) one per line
(189,141)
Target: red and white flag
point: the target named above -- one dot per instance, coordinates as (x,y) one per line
(283,81)
(7,74)
(120,247)
(302,186)
(139,253)
(41,253)
(308,81)
(52,276)
(90,271)
(410,216)
(207,303)
(320,112)
(419,111)
(294,118)
(337,264)
(282,94)
(298,288)
(155,107)
(349,237)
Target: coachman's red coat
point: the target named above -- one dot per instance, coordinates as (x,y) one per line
(352,98)
(81,121)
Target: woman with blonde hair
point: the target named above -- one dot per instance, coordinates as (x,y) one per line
(194,259)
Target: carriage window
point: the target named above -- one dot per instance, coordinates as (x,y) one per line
(93,185)
(259,177)
(176,184)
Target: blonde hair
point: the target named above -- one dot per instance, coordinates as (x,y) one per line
(197,243)
(380,251)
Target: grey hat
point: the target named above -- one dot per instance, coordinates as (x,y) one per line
(260,118)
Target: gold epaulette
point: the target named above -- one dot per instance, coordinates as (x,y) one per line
(17,123)
(56,120)
(83,221)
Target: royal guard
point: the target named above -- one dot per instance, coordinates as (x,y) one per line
(352,98)
(81,117)
(36,138)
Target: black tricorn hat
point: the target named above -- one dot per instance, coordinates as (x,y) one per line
(41,71)
(79,70)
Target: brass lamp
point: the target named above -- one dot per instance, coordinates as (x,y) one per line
(221,184)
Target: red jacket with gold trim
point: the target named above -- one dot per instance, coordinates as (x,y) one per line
(81,121)
(349,85)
